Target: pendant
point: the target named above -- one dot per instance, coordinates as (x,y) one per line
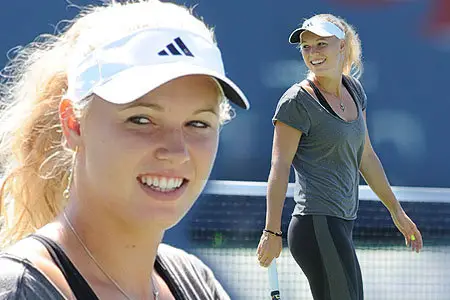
(342,106)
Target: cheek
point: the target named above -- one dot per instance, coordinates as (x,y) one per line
(203,152)
(305,54)
(332,53)
(109,156)
(202,156)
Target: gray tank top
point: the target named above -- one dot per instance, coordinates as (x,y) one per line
(327,160)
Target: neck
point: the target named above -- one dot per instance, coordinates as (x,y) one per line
(126,253)
(330,85)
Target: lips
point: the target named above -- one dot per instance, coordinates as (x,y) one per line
(317,62)
(161,183)
(163,188)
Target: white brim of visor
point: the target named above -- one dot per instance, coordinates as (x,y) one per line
(131,66)
(135,82)
(323,29)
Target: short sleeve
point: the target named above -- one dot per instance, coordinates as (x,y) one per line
(21,281)
(361,93)
(208,276)
(291,111)
(192,276)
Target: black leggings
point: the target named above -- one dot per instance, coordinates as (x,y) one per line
(323,248)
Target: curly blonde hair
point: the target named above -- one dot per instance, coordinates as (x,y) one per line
(34,160)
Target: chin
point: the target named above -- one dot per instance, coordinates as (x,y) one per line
(164,216)
(320,71)
(165,213)
(325,71)
(158,219)
(167,223)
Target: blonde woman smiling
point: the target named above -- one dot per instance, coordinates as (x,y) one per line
(108,139)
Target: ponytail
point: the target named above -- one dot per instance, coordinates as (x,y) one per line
(33,158)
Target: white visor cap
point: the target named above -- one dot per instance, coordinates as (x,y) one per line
(317,26)
(131,66)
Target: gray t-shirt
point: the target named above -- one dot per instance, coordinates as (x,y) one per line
(328,156)
(20,280)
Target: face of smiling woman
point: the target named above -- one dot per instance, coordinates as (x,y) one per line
(324,56)
(148,161)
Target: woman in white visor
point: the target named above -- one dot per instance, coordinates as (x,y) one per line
(109,133)
(320,129)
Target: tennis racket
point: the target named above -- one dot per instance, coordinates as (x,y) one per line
(273,281)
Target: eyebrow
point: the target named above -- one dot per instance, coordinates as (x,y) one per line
(160,108)
(318,39)
(143,104)
(206,110)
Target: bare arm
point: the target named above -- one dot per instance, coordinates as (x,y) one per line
(372,171)
(285,143)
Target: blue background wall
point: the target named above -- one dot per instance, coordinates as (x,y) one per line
(406,56)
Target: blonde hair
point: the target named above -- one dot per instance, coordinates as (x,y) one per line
(33,158)
(353,65)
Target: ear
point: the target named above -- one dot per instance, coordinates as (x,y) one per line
(342,46)
(69,123)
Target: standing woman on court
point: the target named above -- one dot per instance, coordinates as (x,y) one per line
(320,129)
(108,137)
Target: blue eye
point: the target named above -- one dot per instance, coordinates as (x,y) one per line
(139,120)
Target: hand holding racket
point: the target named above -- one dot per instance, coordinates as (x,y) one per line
(269,247)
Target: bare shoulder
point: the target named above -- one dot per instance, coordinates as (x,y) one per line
(28,248)
(34,252)
(304,83)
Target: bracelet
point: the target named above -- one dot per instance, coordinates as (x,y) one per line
(273,233)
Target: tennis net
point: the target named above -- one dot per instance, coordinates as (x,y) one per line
(226,224)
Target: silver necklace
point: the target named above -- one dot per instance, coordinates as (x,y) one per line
(341,103)
(155,291)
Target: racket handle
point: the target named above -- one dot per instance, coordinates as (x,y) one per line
(273,281)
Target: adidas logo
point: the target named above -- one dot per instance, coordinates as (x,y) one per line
(309,24)
(177,47)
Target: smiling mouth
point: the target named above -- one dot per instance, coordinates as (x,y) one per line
(163,184)
(317,62)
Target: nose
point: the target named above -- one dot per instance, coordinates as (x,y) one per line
(314,49)
(173,147)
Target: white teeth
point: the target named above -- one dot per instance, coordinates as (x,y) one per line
(171,183)
(162,183)
(316,62)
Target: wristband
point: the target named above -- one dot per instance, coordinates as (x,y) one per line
(273,233)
